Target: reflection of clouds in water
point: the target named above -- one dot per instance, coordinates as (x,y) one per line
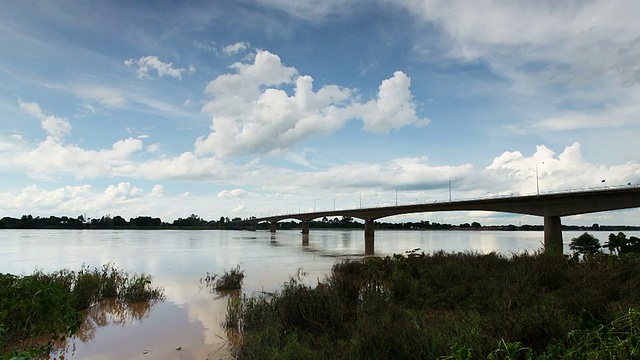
(191,317)
(482,241)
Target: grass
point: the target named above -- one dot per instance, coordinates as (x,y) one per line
(453,306)
(230,280)
(51,304)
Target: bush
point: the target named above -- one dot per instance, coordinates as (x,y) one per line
(230,280)
(50,304)
(417,306)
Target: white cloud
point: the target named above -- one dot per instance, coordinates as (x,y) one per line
(122,191)
(148,63)
(52,159)
(582,53)
(234,194)
(153,147)
(252,114)
(158,190)
(512,171)
(10,143)
(235,48)
(393,108)
(620,116)
(56,127)
(186,166)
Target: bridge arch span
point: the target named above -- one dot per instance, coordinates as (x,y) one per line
(549,206)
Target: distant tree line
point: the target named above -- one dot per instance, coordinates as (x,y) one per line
(115,222)
(194,221)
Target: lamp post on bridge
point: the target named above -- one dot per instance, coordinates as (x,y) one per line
(537,180)
(450,187)
(397,194)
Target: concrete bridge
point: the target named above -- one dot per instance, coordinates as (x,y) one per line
(551,206)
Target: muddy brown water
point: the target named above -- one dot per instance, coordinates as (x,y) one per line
(187,324)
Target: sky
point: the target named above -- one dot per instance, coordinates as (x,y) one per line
(264,107)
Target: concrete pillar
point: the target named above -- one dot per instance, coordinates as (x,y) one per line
(305,227)
(254,226)
(369,245)
(305,239)
(369,227)
(369,236)
(552,235)
(272,226)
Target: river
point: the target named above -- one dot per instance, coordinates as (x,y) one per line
(187,324)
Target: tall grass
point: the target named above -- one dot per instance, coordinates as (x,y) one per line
(51,304)
(418,306)
(230,280)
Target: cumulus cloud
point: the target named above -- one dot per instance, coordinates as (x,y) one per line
(51,158)
(56,127)
(253,114)
(122,191)
(147,64)
(393,108)
(158,190)
(235,193)
(569,170)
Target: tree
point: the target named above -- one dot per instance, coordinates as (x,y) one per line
(621,245)
(617,243)
(118,221)
(585,244)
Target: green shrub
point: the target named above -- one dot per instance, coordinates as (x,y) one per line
(417,306)
(230,280)
(50,304)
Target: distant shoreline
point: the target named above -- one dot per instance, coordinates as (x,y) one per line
(399,228)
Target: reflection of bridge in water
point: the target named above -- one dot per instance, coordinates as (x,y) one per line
(550,206)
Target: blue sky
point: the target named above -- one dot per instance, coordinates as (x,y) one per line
(249,108)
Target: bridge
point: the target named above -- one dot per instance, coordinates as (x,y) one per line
(551,206)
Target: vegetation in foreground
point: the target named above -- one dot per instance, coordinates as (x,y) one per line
(230,280)
(450,306)
(51,305)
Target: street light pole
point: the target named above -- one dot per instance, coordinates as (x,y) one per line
(537,180)
(397,194)
(450,187)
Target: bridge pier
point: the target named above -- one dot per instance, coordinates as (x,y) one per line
(305,227)
(272,226)
(553,235)
(369,236)
(369,228)
(254,226)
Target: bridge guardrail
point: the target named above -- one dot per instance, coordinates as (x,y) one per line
(497,196)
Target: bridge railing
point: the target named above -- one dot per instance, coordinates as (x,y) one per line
(492,196)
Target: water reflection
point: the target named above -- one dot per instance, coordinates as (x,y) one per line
(111,312)
(191,318)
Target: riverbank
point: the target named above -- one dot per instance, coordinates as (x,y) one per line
(39,309)
(451,305)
